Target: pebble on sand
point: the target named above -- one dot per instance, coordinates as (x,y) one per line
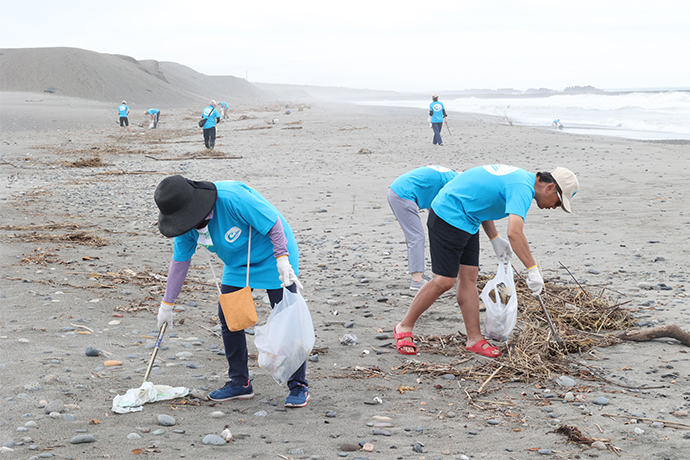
(112,362)
(82,439)
(213,440)
(166,420)
(91,351)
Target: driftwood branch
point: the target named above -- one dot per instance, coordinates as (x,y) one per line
(673,331)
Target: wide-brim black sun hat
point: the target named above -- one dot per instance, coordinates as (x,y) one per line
(183,204)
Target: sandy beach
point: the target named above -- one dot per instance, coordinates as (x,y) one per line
(83,265)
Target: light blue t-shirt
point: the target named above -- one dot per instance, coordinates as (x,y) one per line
(237,207)
(123,110)
(210,113)
(224,105)
(436,109)
(485,193)
(421,185)
(153,111)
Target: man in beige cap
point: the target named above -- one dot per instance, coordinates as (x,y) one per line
(472,199)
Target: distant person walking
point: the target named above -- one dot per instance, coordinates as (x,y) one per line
(155,115)
(211,115)
(437,112)
(123,110)
(415,190)
(224,110)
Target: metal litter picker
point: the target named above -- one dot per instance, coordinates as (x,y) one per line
(164,326)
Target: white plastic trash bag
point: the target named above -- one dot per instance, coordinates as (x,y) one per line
(286,339)
(500,299)
(135,398)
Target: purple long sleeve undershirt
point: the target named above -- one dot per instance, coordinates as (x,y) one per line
(177,272)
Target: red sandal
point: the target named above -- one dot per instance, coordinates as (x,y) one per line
(490,351)
(400,344)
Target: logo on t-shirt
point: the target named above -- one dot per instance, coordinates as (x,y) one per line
(437,107)
(232,234)
(500,170)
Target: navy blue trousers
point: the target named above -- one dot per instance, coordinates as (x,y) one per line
(210,140)
(437,132)
(236,343)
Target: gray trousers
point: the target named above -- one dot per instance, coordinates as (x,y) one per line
(408,217)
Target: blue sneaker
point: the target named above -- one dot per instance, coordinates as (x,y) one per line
(232,391)
(298,397)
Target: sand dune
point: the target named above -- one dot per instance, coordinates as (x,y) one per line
(110,77)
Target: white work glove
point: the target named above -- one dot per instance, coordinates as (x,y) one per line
(502,249)
(165,315)
(534,281)
(287,274)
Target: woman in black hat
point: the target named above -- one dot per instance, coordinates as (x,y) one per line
(221,216)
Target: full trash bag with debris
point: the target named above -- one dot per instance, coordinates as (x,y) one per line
(501,303)
(135,398)
(286,339)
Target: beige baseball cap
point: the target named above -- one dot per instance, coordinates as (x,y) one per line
(567,186)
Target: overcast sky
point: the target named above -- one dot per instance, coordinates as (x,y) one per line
(390,45)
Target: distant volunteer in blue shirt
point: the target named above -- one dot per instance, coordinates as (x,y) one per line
(222,216)
(437,112)
(224,110)
(211,115)
(415,190)
(476,198)
(123,110)
(155,116)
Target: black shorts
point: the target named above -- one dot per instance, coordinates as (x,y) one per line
(124,121)
(450,247)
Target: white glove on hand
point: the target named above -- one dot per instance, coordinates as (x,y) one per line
(165,315)
(502,249)
(287,274)
(534,281)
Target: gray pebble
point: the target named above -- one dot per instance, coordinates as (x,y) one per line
(493,422)
(544,451)
(658,424)
(82,439)
(382,336)
(418,447)
(166,420)
(314,358)
(379,432)
(133,436)
(349,325)
(601,401)
(448,377)
(213,440)
(297,451)
(91,351)
(54,406)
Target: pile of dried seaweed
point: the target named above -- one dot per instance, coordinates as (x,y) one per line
(580,318)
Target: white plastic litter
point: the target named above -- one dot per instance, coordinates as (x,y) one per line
(135,398)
